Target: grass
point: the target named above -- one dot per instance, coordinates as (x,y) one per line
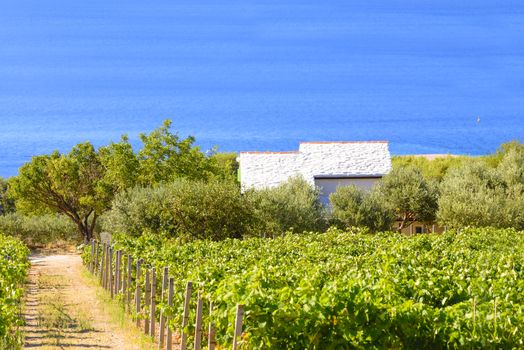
(54,315)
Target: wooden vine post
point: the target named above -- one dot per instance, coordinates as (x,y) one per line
(198,323)
(211,336)
(185,320)
(124,282)
(147,301)
(103,266)
(110,276)
(108,252)
(137,292)
(118,273)
(129,281)
(238,325)
(152,310)
(169,340)
(161,336)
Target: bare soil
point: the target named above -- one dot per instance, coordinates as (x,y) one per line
(64,309)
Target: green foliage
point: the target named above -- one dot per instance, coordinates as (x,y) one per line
(407,194)
(350,290)
(165,157)
(14,264)
(291,206)
(493,160)
(184,208)
(71,184)
(121,166)
(82,183)
(226,165)
(39,230)
(352,207)
(7,205)
(431,169)
(480,195)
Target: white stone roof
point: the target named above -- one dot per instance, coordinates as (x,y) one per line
(315,159)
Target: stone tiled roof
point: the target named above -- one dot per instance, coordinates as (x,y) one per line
(315,159)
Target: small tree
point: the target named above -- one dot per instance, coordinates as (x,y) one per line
(70,184)
(353,207)
(472,196)
(406,193)
(346,203)
(293,205)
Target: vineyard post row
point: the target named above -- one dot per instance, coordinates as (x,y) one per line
(118,279)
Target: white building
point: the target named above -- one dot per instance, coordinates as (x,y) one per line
(327,165)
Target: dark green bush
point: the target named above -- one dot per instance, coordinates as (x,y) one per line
(352,207)
(39,230)
(184,208)
(480,195)
(291,206)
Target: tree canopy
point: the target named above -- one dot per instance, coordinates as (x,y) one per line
(82,183)
(407,194)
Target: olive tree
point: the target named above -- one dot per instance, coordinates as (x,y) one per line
(408,195)
(352,207)
(293,205)
(190,209)
(478,194)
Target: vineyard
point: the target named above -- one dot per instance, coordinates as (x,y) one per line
(13,270)
(343,290)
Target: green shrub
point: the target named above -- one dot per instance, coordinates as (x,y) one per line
(14,264)
(480,195)
(292,206)
(184,208)
(7,205)
(408,195)
(39,230)
(352,207)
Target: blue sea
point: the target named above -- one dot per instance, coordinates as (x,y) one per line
(432,76)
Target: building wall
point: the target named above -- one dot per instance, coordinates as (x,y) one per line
(412,229)
(328,186)
(268,169)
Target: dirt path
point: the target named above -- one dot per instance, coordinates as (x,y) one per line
(64,309)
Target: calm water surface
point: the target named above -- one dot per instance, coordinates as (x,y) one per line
(261,75)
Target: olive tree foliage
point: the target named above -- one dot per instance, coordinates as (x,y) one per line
(408,196)
(7,204)
(38,230)
(431,169)
(352,207)
(291,206)
(480,195)
(187,209)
